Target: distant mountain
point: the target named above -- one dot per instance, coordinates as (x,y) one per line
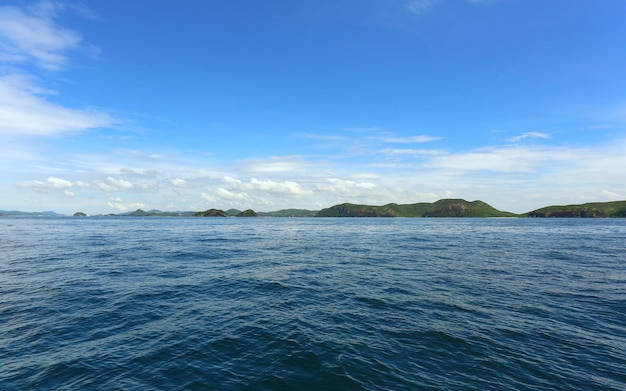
(154,212)
(233,212)
(51,213)
(139,212)
(247,213)
(592,209)
(48,213)
(441,208)
(12,213)
(290,213)
(211,213)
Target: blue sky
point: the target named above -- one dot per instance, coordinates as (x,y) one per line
(109,106)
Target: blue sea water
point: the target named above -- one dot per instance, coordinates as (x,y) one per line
(312,304)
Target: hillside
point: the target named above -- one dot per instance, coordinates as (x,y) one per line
(441,208)
(16,213)
(592,209)
(211,213)
(247,213)
(290,213)
(153,213)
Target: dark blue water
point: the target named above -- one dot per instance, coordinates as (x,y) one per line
(312,304)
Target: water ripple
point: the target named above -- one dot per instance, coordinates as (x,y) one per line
(293,304)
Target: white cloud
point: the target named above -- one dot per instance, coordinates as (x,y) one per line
(231,181)
(516,177)
(59,183)
(502,159)
(113,184)
(23,111)
(69,193)
(284,187)
(231,195)
(611,194)
(37,186)
(31,35)
(346,187)
(528,135)
(120,183)
(146,186)
(413,152)
(276,164)
(51,184)
(179,182)
(266,186)
(118,204)
(209,197)
(434,196)
(105,187)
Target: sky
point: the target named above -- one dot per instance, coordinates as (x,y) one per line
(108,106)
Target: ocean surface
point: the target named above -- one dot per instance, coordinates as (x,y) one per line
(312,304)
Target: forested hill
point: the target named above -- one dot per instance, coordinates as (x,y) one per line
(592,209)
(441,208)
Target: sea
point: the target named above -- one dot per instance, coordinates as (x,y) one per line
(165,303)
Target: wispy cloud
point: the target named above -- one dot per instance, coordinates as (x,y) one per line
(231,195)
(114,184)
(420,6)
(507,176)
(600,127)
(50,185)
(120,183)
(37,186)
(179,182)
(32,35)
(59,183)
(253,192)
(612,195)
(528,135)
(119,204)
(502,159)
(345,187)
(324,137)
(275,164)
(32,41)
(25,111)
(284,187)
(411,152)
(410,140)
(364,141)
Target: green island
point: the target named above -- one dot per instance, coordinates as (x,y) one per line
(591,209)
(211,213)
(454,207)
(442,208)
